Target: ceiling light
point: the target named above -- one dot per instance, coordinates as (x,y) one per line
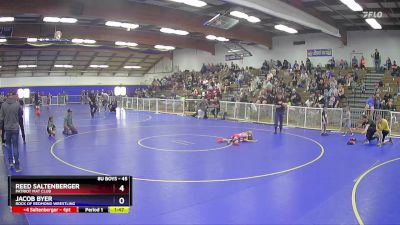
(132,67)
(89,41)
(128,26)
(59,20)
(26,66)
(195,3)
(234,50)
(352,5)
(31,39)
(122,43)
(164,47)
(113,24)
(221,39)
(68,20)
(253,19)
(373,23)
(239,14)
(51,19)
(83,41)
(2,40)
(172,31)
(6,19)
(285,28)
(64,66)
(211,37)
(0,66)
(242,15)
(99,66)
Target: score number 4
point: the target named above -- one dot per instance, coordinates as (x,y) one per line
(367,15)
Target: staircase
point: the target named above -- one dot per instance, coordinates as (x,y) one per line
(357,99)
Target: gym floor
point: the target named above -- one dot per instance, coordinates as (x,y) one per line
(182,176)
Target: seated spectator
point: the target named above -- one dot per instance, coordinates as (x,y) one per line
(390,106)
(113,106)
(279,64)
(331,63)
(341,64)
(285,65)
(295,98)
(395,70)
(354,62)
(69,127)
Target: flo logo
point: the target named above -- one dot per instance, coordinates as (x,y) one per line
(371,14)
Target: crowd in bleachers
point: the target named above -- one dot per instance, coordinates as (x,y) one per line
(322,86)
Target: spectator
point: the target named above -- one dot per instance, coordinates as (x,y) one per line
(9,114)
(215,107)
(377,60)
(354,62)
(388,64)
(390,106)
(308,66)
(362,63)
(295,98)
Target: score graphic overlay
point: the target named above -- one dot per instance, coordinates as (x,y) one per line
(70,194)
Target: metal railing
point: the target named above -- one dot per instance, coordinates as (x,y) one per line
(302,117)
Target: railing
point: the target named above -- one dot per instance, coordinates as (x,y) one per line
(302,117)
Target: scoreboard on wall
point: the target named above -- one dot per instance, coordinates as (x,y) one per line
(70,194)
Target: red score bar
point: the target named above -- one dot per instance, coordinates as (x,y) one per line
(44,209)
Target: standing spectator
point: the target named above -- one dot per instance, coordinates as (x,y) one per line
(354,62)
(388,64)
(324,122)
(308,66)
(362,63)
(377,60)
(9,118)
(279,112)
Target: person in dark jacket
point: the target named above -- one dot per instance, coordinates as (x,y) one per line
(9,117)
(92,103)
(21,120)
(279,112)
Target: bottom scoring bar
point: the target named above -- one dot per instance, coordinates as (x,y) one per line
(68,209)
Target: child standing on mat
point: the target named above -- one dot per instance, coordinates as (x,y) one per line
(347,122)
(51,128)
(324,122)
(69,127)
(279,112)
